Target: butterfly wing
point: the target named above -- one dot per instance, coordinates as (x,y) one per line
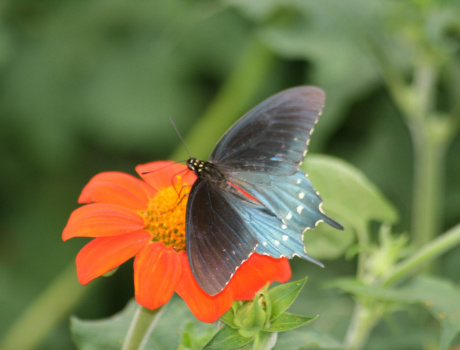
(291,198)
(275,238)
(273,137)
(218,239)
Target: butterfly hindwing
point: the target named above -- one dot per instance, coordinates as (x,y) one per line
(273,137)
(275,238)
(291,198)
(218,239)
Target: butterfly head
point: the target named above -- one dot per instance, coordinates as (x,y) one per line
(195,165)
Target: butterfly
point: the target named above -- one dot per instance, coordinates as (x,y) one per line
(259,156)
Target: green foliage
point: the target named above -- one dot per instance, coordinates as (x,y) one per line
(440,297)
(176,329)
(348,197)
(286,322)
(299,340)
(255,323)
(282,296)
(227,338)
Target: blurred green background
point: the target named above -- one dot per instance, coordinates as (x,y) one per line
(88,86)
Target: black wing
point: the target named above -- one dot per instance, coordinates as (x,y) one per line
(273,137)
(218,239)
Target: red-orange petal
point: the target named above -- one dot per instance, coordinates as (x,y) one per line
(157,271)
(256,272)
(206,308)
(106,253)
(163,173)
(101,220)
(117,188)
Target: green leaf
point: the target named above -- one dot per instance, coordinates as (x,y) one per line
(109,333)
(102,334)
(348,197)
(228,317)
(356,287)
(286,322)
(440,297)
(227,338)
(265,341)
(192,340)
(298,340)
(282,296)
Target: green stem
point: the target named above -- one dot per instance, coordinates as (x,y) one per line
(51,306)
(360,325)
(367,313)
(429,159)
(428,184)
(427,253)
(363,321)
(143,323)
(363,240)
(241,87)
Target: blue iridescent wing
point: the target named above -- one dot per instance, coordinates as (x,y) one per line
(218,238)
(273,137)
(291,198)
(275,238)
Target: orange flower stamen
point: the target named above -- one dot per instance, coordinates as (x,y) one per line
(165,216)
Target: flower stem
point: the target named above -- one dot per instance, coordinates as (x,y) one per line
(55,302)
(143,323)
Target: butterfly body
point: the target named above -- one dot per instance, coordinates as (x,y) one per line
(208,171)
(260,155)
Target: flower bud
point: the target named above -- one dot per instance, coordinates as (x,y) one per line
(251,317)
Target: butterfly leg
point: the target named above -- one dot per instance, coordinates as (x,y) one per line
(174,176)
(179,201)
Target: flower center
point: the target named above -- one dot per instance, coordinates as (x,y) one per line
(165,216)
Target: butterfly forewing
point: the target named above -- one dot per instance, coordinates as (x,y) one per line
(273,137)
(218,239)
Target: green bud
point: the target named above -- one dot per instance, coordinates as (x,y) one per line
(266,304)
(251,318)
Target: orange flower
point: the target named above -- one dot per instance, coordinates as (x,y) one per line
(131,217)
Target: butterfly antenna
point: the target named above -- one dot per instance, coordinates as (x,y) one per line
(148,172)
(178,134)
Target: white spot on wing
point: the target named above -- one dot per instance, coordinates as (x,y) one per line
(233,252)
(289,216)
(298,181)
(285,238)
(265,243)
(277,243)
(283,227)
(301,195)
(299,209)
